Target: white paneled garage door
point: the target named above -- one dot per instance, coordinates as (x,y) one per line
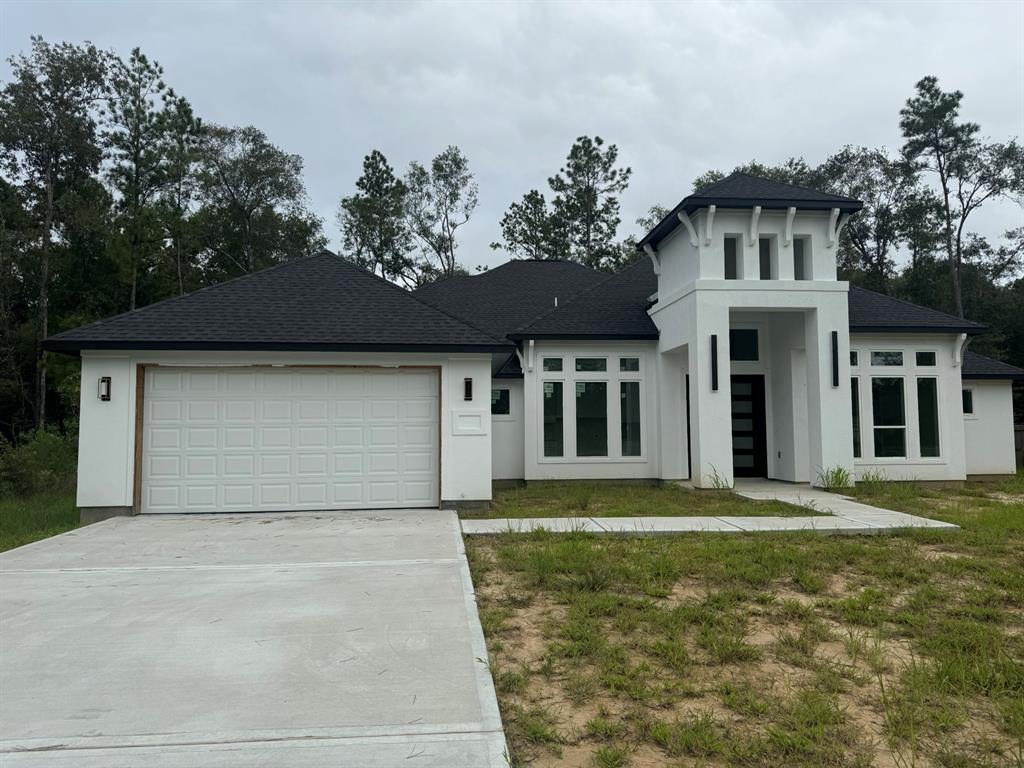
(267,439)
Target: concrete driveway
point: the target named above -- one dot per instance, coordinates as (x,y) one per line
(309,639)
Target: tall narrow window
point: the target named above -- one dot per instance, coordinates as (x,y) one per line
(890,417)
(629,417)
(968,396)
(855,405)
(553,420)
(591,418)
(800,266)
(732,258)
(928,416)
(764,255)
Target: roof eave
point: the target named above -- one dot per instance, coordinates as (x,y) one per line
(970,330)
(993,376)
(76,347)
(668,225)
(585,336)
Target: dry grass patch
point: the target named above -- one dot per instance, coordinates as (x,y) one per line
(779,650)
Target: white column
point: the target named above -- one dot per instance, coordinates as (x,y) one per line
(710,410)
(829,421)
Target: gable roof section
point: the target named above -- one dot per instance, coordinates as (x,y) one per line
(615,308)
(870,311)
(977,366)
(317,303)
(501,299)
(741,190)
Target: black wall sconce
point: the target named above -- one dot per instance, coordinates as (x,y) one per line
(468,394)
(835,358)
(104,388)
(714,362)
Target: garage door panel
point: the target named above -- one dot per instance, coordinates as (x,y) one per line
(251,440)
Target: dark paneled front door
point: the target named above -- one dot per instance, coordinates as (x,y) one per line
(749,440)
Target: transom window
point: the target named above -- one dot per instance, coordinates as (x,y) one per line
(629,364)
(743,345)
(887,357)
(552,364)
(924,358)
(591,364)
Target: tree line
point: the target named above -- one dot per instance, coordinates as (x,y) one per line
(114,194)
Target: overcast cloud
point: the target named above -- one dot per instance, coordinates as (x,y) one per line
(680,87)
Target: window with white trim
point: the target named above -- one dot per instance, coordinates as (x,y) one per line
(889,417)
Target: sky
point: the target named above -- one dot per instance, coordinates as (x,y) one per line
(680,88)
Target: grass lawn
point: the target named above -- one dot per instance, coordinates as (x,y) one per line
(624,500)
(765,650)
(29,518)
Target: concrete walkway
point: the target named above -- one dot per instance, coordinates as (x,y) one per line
(835,514)
(289,640)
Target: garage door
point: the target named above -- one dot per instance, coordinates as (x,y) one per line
(266,439)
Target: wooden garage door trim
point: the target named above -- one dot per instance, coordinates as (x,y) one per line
(140,395)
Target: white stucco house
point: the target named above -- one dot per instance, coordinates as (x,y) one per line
(730,349)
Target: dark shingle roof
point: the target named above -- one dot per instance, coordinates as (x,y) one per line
(504,298)
(615,308)
(320,302)
(870,311)
(741,190)
(980,367)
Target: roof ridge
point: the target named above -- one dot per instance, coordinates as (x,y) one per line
(412,295)
(197,291)
(919,306)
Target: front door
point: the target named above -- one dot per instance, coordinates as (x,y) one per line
(749,441)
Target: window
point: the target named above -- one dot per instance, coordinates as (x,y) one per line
(591,418)
(732,258)
(764,256)
(928,416)
(801,269)
(553,421)
(743,344)
(590,364)
(968,396)
(855,404)
(552,364)
(629,417)
(890,420)
(853,359)
(500,405)
(887,358)
(925,358)
(629,364)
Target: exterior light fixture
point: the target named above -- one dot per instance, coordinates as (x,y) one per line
(714,362)
(468,392)
(104,388)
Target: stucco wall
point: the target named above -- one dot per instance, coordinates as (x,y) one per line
(988,432)
(507,445)
(107,429)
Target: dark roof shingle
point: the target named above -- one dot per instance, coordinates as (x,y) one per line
(870,311)
(977,366)
(615,308)
(320,302)
(741,190)
(501,299)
